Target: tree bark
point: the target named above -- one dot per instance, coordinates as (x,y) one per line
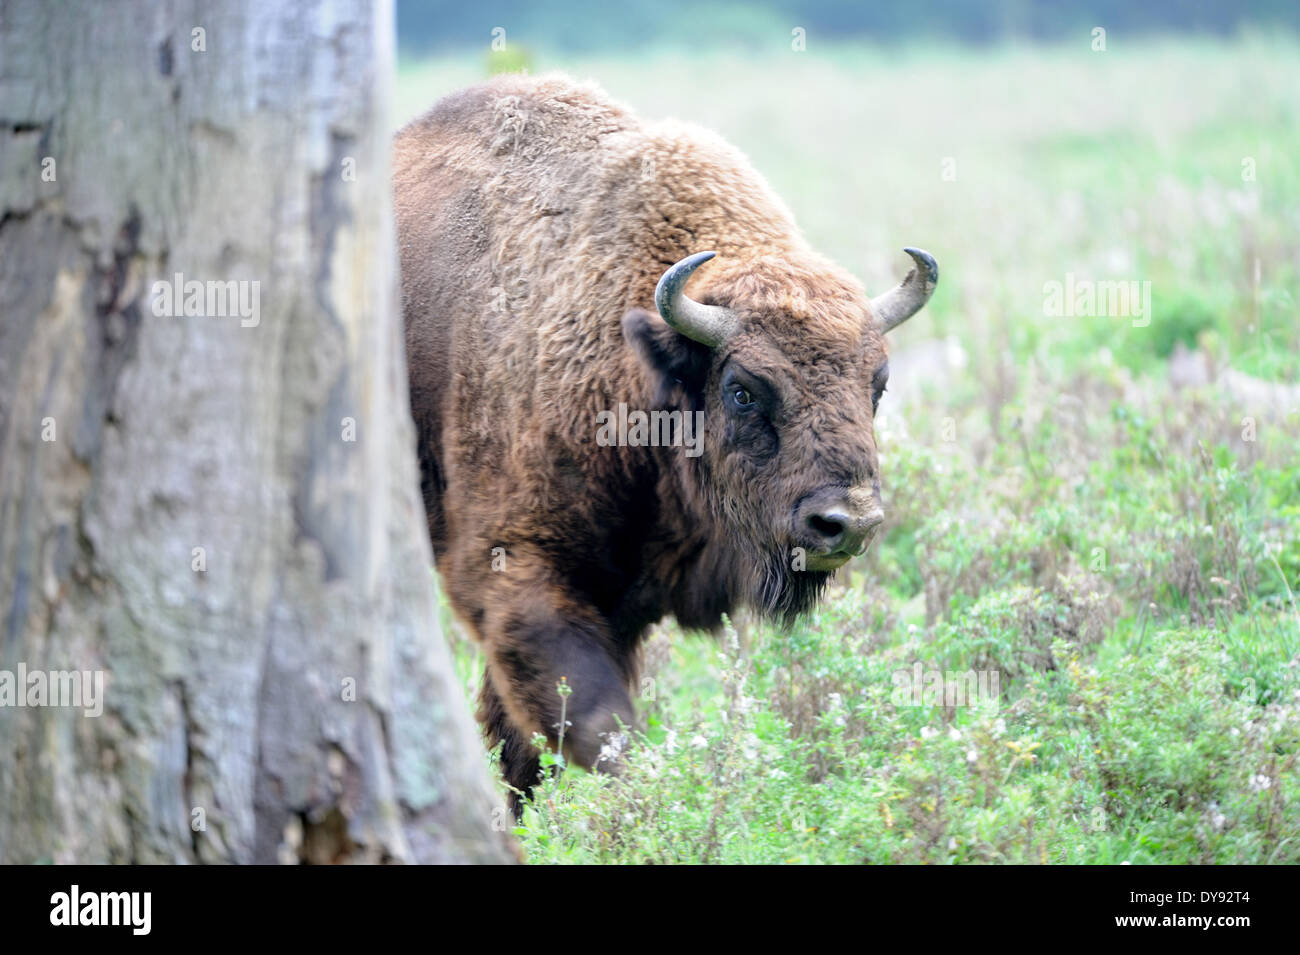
(220,514)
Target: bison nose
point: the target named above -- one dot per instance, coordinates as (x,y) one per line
(841,529)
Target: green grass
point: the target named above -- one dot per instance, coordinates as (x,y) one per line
(1125,556)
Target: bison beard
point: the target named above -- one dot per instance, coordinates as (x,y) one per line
(783,594)
(547,238)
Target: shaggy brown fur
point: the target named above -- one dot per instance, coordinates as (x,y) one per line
(535,217)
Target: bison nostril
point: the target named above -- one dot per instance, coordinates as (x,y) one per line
(829,526)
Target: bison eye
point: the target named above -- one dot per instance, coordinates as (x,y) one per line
(741,397)
(878,381)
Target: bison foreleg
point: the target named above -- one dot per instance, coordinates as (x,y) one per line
(520,765)
(533,659)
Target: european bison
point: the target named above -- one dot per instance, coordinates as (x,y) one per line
(548,238)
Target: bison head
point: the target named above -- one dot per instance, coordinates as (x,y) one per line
(788,364)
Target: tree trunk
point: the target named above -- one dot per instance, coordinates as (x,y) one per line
(213,506)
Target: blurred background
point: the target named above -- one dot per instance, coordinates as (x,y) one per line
(1078,497)
(1008,137)
(590,25)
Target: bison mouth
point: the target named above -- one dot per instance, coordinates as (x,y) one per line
(829,562)
(835,559)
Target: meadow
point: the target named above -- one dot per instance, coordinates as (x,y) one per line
(1101,509)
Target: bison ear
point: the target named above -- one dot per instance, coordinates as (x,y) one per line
(678,361)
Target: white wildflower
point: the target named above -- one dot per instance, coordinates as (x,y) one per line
(613,746)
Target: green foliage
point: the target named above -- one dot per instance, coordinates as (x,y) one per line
(801,755)
(1183,321)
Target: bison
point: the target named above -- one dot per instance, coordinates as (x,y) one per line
(549,239)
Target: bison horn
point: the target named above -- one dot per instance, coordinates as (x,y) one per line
(907,298)
(707,324)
